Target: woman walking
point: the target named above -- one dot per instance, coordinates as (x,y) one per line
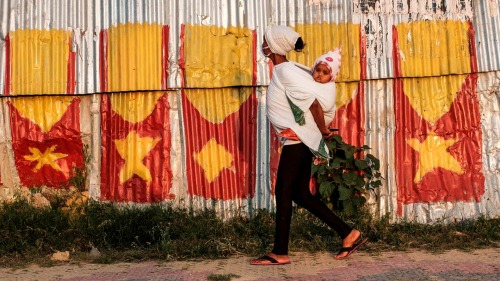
(294,101)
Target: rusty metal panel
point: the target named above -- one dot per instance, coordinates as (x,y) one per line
(380,128)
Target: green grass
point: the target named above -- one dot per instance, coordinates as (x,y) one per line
(31,235)
(222,277)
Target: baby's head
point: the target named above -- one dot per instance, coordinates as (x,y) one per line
(327,66)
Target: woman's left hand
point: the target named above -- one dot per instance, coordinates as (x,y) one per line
(328,134)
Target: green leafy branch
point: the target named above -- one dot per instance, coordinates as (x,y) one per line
(347,176)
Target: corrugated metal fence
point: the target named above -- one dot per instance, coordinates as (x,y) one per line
(169,98)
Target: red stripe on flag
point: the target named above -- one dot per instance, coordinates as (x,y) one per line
(164,56)
(350,119)
(6,86)
(71,83)
(472,48)
(103,59)
(182,56)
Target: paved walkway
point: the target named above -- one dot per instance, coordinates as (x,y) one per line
(481,265)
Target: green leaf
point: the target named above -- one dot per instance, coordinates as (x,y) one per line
(336,163)
(360,164)
(326,189)
(348,207)
(358,201)
(344,193)
(337,138)
(337,178)
(349,178)
(349,154)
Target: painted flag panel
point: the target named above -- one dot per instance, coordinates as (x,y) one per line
(438,135)
(40,62)
(46,139)
(134,57)
(229,61)
(136,143)
(220,130)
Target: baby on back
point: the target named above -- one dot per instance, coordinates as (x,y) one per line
(324,70)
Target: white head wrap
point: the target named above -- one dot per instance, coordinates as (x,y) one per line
(332,60)
(281,39)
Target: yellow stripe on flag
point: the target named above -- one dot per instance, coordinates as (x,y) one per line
(39,61)
(218,56)
(135,57)
(434,48)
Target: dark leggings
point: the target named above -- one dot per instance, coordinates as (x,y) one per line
(294,173)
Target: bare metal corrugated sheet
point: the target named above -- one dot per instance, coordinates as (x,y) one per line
(487,26)
(85,20)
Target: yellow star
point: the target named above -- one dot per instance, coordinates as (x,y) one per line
(434,154)
(213,158)
(48,157)
(133,149)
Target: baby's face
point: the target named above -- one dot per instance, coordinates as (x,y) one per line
(321,73)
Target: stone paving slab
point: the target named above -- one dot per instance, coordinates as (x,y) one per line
(483,265)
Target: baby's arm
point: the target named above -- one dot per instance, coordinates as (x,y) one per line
(319,119)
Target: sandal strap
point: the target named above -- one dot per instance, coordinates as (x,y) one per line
(268,258)
(346,249)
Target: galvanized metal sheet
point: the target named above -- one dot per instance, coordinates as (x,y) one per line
(124,46)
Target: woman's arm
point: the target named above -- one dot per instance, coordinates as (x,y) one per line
(319,119)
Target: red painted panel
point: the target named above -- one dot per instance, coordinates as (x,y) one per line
(62,139)
(237,135)
(157,161)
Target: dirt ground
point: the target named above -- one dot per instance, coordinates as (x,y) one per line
(412,265)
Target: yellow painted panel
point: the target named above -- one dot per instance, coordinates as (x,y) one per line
(345,92)
(433,48)
(217,104)
(218,56)
(44,111)
(135,107)
(39,62)
(431,97)
(322,37)
(134,57)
